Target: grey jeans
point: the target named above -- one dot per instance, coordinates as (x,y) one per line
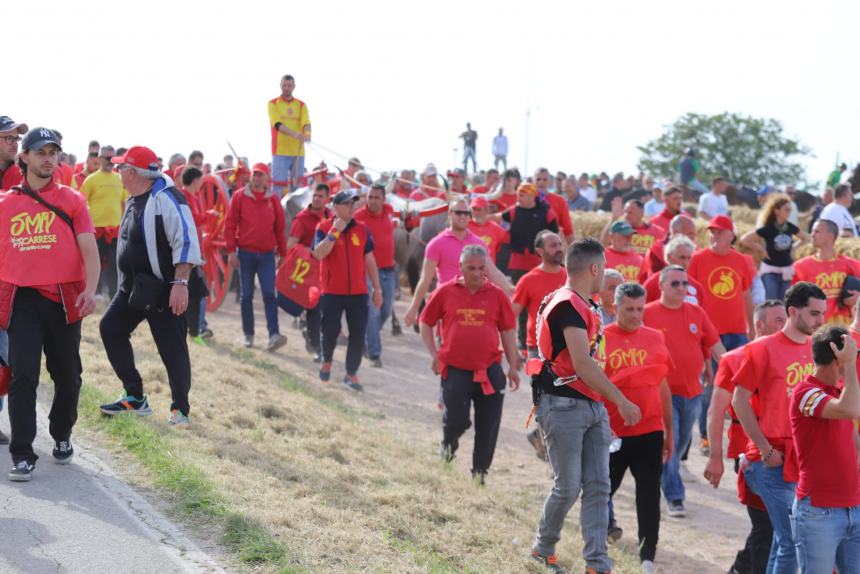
(577,437)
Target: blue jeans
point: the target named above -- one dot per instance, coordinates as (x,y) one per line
(730,341)
(826,537)
(698,186)
(287,168)
(577,436)
(774,285)
(260,265)
(376,318)
(684,413)
(778,497)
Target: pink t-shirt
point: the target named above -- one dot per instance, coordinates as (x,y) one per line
(445,250)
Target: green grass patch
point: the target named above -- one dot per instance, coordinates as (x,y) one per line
(190,490)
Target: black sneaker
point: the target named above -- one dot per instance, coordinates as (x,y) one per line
(376,362)
(351,382)
(63,451)
(22,471)
(550,562)
(3,438)
(127,404)
(446,453)
(479,477)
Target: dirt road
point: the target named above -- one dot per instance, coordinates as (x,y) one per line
(406,391)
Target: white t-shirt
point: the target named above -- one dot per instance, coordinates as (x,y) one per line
(654,207)
(712,204)
(588,193)
(500,145)
(839,215)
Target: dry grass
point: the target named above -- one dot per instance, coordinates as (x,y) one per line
(337,487)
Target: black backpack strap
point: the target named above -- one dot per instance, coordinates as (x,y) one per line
(39,199)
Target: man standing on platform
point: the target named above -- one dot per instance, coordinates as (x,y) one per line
(291,129)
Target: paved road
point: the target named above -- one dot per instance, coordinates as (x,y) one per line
(82,518)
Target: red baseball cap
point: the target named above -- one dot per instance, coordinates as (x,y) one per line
(260,168)
(479,202)
(138,156)
(722,222)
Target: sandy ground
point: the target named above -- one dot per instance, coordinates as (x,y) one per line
(406,391)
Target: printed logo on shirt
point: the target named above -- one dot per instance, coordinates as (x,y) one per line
(624,358)
(795,373)
(694,328)
(724,282)
(642,243)
(355,240)
(488,239)
(831,283)
(468,317)
(31,232)
(629,272)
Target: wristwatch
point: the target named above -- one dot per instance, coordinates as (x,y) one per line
(181,282)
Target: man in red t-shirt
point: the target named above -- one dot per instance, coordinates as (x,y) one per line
(826,507)
(770,317)
(679,251)
(254,233)
(10,135)
(637,361)
(655,259)
(672,197)
(488,230)
(556,202)
(48,278)
(620,254)
(473,314)
(693,338)
(535,285)
(828,270)
(645,234)
(771,368)
(378,217)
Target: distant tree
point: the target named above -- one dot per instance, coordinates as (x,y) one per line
(745,150)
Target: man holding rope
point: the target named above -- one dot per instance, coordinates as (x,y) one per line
(291,129)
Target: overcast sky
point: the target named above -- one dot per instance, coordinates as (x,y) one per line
(395,82)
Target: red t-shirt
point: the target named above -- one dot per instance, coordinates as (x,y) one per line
(530,292)
(12,176)
(725,279)
(37,248)
(471,323)
(662,219)
(504,201)
(825,448)
(637,362)
(772,366)
(724,379)
(304,225)
(830,276)
(558,204)
(691,335)
(64,174)
(627,263)
(646,235)
(492,234)
(652,290)
(381,228)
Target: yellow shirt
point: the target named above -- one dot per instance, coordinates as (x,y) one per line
(105,197)
(294,115)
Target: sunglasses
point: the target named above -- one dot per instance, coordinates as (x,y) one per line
(461,212)
(677,283)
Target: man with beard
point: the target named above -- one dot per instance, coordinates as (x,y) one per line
(772,366)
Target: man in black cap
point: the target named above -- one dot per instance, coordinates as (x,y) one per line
(345,250)
(10,135)
(48,277)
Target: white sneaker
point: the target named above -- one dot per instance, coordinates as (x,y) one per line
(648,567)
(276,342)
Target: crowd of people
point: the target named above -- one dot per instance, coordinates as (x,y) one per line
(629,340)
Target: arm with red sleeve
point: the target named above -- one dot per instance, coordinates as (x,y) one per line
(507,330)
(720,402)
(746,383)
(231,223)
(296,230)
(431,315)
(280,229)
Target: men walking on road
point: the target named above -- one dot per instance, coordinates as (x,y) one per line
(473,314)
(569,388)
(345,249)
(44,294)
(772,366)
(254,232)
(291,129)
(637,361)
(377,216)
(157,250)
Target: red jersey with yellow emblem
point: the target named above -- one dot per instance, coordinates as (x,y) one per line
(637,362)
(772,366)
(645,236)
(725,279)
(628,263)
(830,276)
(490,233)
